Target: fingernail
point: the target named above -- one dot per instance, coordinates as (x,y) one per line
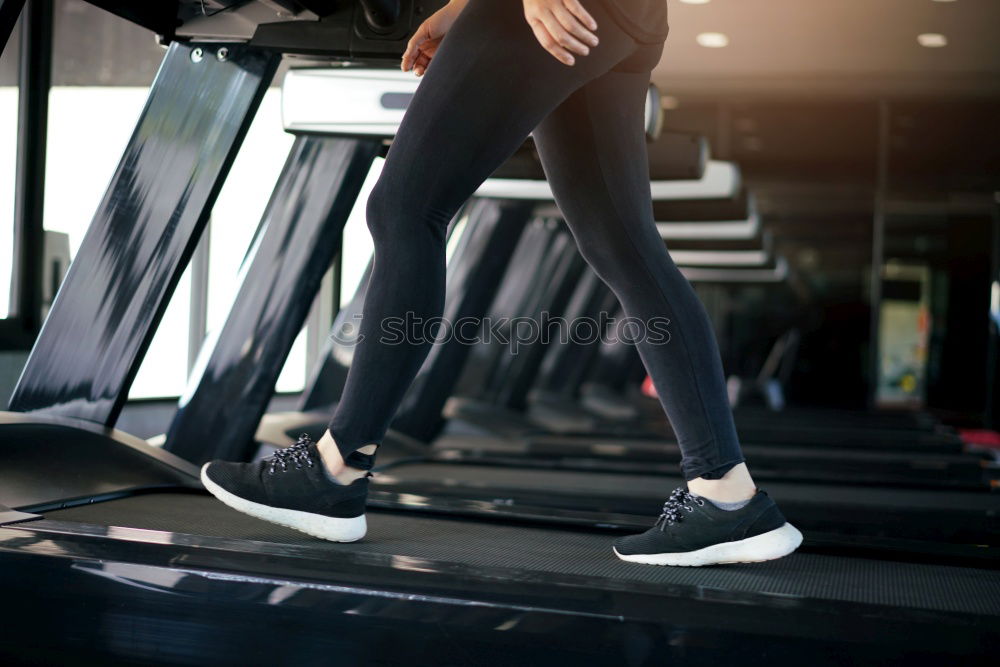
(570,61)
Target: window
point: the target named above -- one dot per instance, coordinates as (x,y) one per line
(8,153)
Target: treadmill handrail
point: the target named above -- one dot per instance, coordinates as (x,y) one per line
(721,180)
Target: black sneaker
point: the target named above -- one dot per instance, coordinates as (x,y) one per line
(692,531)
(291,488)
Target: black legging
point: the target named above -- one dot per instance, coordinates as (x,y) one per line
(488,87)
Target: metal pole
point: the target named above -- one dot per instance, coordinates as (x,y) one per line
(338,276)
(198,321)
(878,247)
(29,190)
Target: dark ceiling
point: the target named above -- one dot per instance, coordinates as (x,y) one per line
(833,47)
(798,98)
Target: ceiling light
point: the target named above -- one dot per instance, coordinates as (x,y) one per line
(698,2)
(934,0)
(932,40)
(713,40)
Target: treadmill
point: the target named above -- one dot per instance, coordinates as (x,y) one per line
(926,451)
(112,551)
(453,470)
(499,383)
(730,217)
(861,519)
(547,429)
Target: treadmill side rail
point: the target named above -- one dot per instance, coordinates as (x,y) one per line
(233,380)
(144,232)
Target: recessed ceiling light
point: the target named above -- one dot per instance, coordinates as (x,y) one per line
(713,40)
(932,40)
(702,2)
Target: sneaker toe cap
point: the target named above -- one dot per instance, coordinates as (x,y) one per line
(630,544)
(653,541)
(226,474)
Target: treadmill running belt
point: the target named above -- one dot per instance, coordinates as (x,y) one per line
(569,552)
(584,483)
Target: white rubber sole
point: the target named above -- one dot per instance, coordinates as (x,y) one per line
(766,546)
(330,528)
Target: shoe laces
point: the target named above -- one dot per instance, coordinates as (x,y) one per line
(673,510)
(297,455)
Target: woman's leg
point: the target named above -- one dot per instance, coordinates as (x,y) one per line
(488,86)
(593,148)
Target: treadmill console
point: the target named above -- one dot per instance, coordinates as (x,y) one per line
(357,31)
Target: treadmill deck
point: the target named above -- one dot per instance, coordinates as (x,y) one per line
(503,547)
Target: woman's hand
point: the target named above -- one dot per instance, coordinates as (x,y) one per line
(562,27)
(425,41)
